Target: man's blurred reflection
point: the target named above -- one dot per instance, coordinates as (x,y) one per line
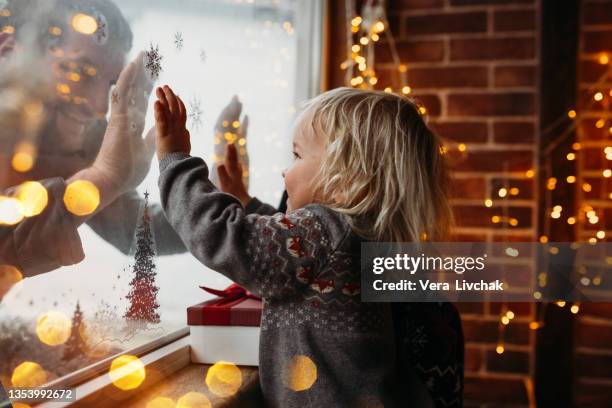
(59,60)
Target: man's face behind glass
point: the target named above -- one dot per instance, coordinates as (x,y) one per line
(84,72)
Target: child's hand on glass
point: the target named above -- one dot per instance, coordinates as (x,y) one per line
(230,175)
(170,120)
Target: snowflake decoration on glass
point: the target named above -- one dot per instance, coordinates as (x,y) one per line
(178,40)
(202,55)
(153,60)
(195,112)
(101,34)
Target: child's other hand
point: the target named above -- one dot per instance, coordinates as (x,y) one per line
(170,120)
(230,175)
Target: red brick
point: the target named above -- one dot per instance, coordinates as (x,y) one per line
(508,362)
(508,76)
(592,72)
(520,309)
(593,335)
(487,332)
(430,102)
(491,104)
(600,309)
(444,23)
(471,307)
(516,276)
(514,132)
(480,216)
(496,160)
(476,2)
(593,365)
(495,390)
(513,238)
(597,13)
(596,185)
(462,132)
(526,188)
(404,5)
(448,77)
(468,188)
(593,158)
(492,49)
(592,395)
(514,20)
(412,51)
(474,359)
(589,130)
(597,41)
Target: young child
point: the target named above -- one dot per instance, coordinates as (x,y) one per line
(366,167)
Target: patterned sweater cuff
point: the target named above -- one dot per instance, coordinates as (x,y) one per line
(169,158)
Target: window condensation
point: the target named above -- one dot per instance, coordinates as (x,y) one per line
(210,50)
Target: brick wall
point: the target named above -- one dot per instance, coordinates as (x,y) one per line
(474,65)
(593,333)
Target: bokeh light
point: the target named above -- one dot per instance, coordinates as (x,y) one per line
(127,372)
(193,400)
(161,402)
(84,24)
(11,211)
(301,373)
(82,197)
(9,276)
(28,375)
(53,328)
(224,378)
(33,197)
(24,156)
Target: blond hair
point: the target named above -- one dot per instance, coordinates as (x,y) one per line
(383,167)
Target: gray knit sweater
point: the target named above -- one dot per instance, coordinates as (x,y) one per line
(305,266)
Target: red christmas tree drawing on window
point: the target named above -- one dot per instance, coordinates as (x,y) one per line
(73,346)
(143,289)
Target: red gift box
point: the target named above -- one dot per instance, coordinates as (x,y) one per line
(235,306)
(226,328)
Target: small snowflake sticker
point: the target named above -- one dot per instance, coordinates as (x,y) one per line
(101,34)
(178,41)
(153,60)
(195,112)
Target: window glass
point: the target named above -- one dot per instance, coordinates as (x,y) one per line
(58,62)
